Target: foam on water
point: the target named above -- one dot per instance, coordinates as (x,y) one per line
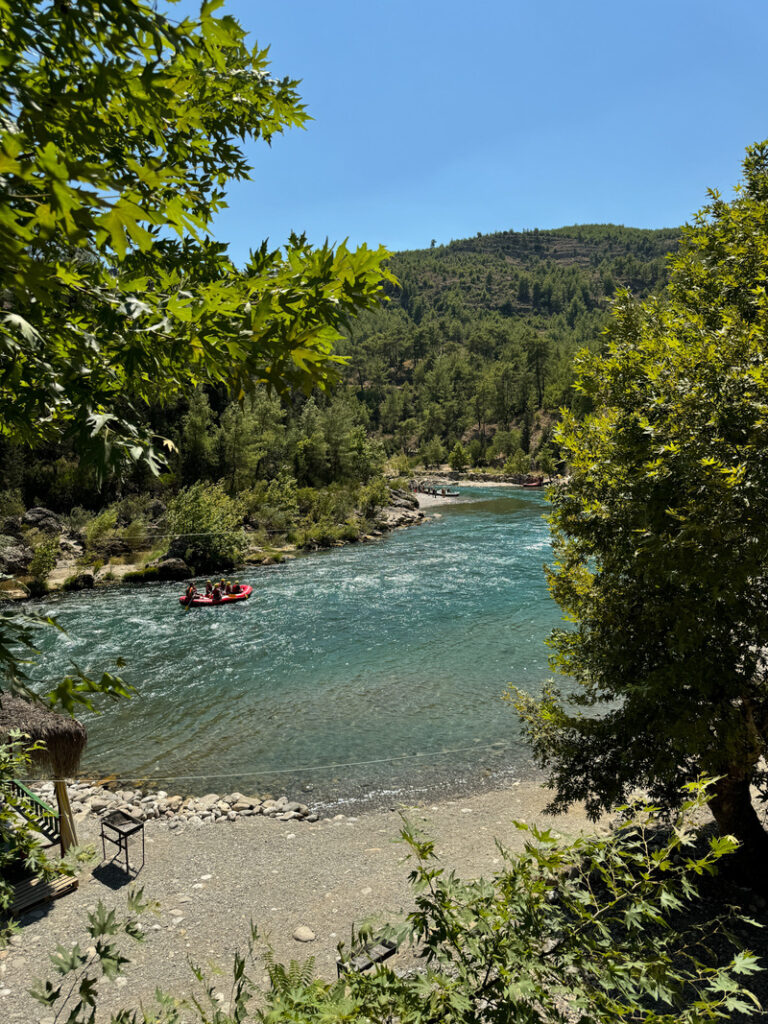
(357,654)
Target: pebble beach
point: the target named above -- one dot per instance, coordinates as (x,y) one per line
(304,882)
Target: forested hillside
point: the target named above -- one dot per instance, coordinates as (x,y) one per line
(478,341)
(475,346)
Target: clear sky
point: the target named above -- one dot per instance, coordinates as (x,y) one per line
(439,119)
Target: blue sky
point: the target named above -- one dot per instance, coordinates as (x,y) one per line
(442,119)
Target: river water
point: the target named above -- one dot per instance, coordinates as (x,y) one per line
(369,673)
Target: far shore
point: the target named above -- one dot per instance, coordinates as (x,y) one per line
(433,500)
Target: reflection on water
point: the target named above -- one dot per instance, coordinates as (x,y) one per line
(388,660)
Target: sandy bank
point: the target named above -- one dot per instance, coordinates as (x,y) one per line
(212,880)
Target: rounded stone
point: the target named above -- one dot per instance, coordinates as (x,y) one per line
(304,934)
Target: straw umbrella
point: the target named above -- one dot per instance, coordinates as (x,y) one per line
(64,740)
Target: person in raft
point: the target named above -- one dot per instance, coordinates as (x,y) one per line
(208,588)
(191,593)
(216,595)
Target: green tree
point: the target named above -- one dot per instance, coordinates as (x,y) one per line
(238,446)
(661,539)
(206,525)
(197,439)
(546,460)
(518,463)
(432,453)
(119,131)
(458,458)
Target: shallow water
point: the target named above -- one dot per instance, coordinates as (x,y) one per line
(385,661)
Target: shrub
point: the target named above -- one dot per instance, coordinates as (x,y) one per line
(100,527)
(135,534)
(373,496)
(77,519)
(205,523)
(44,559)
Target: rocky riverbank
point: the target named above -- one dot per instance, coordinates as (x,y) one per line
(91,800)
(71,570)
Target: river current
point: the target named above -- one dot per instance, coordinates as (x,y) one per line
(369,673)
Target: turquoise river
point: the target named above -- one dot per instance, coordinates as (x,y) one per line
(369,673)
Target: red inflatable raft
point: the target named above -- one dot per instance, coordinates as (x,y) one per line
(245,593)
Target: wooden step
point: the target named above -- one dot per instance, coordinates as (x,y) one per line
(32,891)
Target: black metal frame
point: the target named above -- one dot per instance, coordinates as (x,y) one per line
(124,826)
(369,954)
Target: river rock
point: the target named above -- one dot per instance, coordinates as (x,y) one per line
(304,934)
(171,569)
(82,581)
(11,526)
(208,802)
(43,519)
(15,556)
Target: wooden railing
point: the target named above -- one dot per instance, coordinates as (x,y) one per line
(37,812)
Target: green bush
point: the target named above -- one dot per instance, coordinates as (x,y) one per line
(518,464)
(44,559)
(372,497)
(151,572)
(77,519)
(99,528)
(205,523)
(135,534)
(21,854)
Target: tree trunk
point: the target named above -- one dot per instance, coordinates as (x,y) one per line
(732,809)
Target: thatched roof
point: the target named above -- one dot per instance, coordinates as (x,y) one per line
(64,737)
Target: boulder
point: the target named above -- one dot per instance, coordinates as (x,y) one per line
(70,547)
(15,556)
(82,581)
(12,526)
(113,546)
(43,519)
(171,569)
(178,547)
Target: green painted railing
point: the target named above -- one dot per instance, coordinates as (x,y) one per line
(37,812)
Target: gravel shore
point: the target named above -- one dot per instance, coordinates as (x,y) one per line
(212,880)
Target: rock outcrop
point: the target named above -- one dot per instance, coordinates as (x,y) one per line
(43,519)
(15,556)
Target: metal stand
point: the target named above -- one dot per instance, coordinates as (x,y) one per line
(116,828)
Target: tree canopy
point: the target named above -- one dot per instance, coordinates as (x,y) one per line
(661,536)
(119,131)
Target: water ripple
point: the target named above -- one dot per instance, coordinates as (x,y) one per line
(360,653)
